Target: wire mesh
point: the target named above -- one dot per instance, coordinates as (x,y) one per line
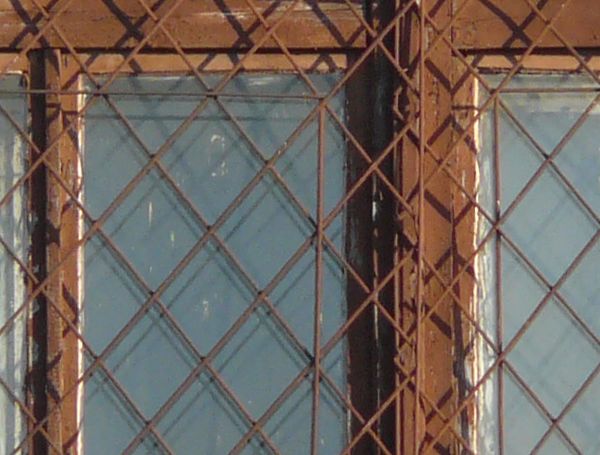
(424,356)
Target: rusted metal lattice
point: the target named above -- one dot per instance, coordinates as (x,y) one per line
(432,355)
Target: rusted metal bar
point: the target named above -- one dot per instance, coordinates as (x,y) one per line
(316,386)
(382,76)
(498,277)
(419,358)
(358,248)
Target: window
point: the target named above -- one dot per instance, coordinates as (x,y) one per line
(191,259)
(539,167)
(171,281)
(177,264)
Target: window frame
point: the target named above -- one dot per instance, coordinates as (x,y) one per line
(66,74)
(56,98)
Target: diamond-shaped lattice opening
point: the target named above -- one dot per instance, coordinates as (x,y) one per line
(290,426)
(554,357)
(203,406)
(267,358)
(150,362)
(108,421)
(579,161)
(211,163)
(264,225)
(550,226)
(207,297)
(149,223)
(521,292)
(555,443)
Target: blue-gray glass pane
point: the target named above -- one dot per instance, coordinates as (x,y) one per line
(14,228)
(206,229)
(549,216)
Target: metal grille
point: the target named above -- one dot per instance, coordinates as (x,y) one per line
(420,94)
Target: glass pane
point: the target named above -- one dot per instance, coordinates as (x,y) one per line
(549,217)
(206,229)
(14,232)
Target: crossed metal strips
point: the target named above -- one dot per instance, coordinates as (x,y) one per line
(413,130)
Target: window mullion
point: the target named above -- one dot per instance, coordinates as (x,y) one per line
(54,363)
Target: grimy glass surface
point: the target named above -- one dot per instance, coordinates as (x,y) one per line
(155,227)
(13,230)
(549,227)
